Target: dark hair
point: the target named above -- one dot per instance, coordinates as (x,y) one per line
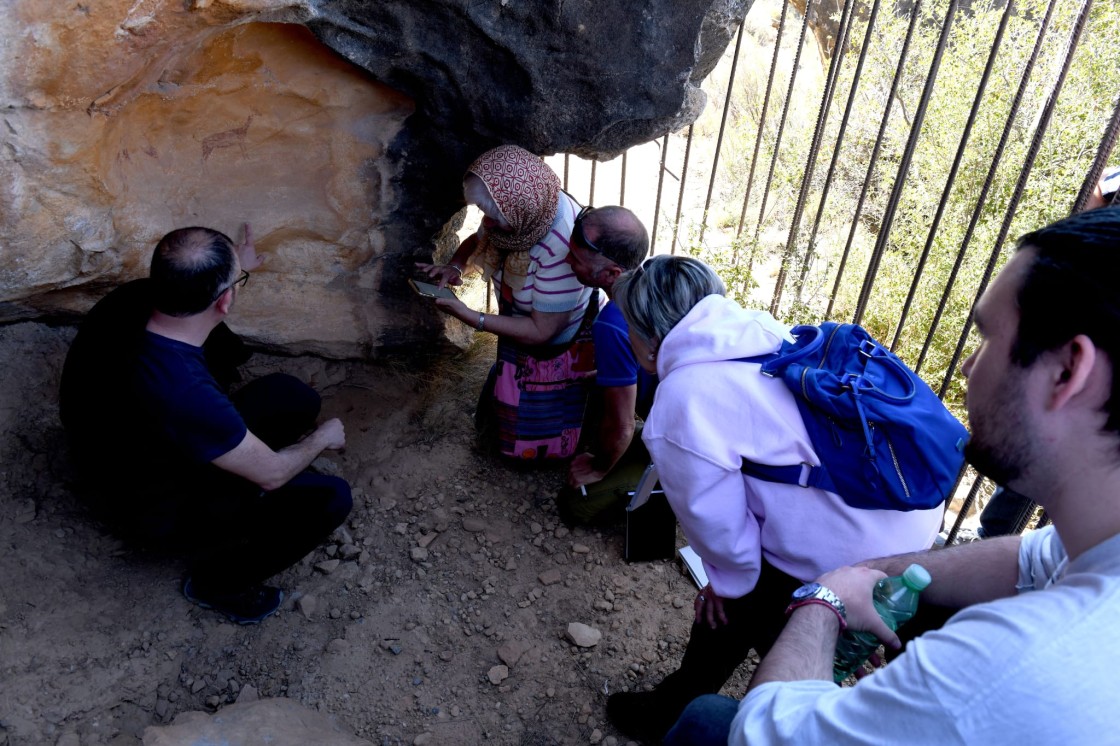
(191,267)
(1071,288)
(621,236)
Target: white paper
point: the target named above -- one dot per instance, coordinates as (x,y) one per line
(644,488)
(695,567)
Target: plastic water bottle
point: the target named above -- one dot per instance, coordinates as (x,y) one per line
(896,600)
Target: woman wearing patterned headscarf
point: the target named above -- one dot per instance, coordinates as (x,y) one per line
(543,310)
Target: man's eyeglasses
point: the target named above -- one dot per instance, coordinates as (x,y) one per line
(577,231)
(240,282)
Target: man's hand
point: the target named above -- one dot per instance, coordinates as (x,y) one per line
(582,471)
(854,586)
(709,608)
(247,252)
(444,274)
(333,434)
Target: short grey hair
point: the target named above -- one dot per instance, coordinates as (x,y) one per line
(657,295)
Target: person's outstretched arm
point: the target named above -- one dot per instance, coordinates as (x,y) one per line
(615,433)
(255,461)
(964,574)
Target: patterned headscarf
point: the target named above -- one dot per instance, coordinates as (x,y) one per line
(527,192)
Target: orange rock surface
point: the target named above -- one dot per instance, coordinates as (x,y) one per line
(127,119)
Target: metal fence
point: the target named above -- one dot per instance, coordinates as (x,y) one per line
(893,233)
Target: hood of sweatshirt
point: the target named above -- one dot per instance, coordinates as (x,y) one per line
(716,329)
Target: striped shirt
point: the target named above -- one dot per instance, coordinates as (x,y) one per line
(550,284)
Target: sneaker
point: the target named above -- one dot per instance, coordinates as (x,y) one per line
(249,606)
(644,716)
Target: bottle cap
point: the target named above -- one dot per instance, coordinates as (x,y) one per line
(916,577)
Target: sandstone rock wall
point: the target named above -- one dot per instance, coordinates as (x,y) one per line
(124,119)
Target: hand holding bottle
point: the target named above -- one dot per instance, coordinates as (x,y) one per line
(893,600)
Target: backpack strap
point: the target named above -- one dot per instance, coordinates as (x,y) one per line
(803,474)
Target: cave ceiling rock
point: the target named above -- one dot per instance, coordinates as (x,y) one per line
(124,119)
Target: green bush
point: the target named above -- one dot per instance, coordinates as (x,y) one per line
(750,260)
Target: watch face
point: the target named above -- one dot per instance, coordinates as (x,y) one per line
(806,591)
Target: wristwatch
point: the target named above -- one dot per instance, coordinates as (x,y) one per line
(815,593)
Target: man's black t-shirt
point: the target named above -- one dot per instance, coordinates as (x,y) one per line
(183,409)
(116,427)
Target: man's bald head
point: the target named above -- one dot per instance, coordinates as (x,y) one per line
(190,269)
(617,234)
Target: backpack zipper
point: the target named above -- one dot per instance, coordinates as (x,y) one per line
(897,468)
(828,344)
(805,371)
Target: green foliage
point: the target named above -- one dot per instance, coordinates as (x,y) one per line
(751,259)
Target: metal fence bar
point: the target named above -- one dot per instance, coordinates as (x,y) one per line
(814,150)
(839,141)
(1016,195)
(981,200)
(762,117)
(722,127)
(904,166)
(957,159)
(965,508)
(622,183)
(567,158)
(915,13)
(680,195)
(591,192)
(1108,144)
(657,199)
(782,121)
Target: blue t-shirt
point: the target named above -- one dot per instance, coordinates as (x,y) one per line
(614,357)
(185,410)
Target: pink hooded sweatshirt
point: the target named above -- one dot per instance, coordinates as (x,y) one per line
(709,412)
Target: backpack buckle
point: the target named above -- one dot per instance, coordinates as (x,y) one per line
(806,472)
(868,347)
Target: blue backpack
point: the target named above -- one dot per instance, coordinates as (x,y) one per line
(884,439)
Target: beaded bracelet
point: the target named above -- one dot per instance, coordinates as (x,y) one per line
(805,602)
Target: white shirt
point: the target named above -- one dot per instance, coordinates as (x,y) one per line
(1037,668)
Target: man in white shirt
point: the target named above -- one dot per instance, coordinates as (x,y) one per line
(1029,658)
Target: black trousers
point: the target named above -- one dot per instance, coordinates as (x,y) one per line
(712,655)
(235,534)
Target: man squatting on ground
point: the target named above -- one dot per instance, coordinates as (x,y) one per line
(606,242)
(222,478)
(1031,657)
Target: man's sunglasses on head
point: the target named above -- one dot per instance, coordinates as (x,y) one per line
(577,231)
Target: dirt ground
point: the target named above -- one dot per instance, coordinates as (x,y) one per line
(450,567)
